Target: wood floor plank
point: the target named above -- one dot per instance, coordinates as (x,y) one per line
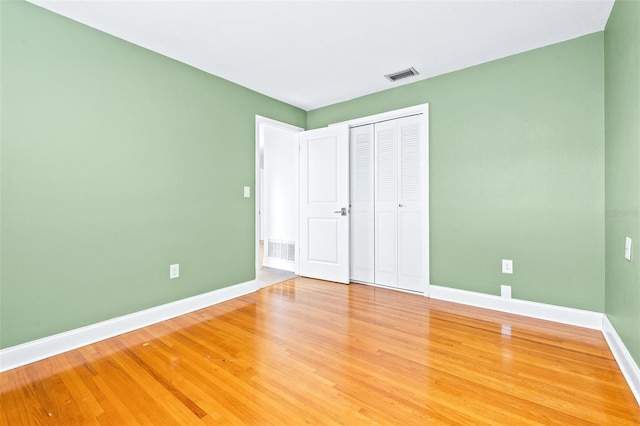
(313,352)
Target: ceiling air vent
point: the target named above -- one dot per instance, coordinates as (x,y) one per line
(409,72)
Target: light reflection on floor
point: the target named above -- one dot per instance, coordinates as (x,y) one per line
(268,276)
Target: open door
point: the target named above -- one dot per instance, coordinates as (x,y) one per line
(324,203)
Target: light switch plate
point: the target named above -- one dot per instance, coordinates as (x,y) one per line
(627,249)
(247,192)
(507,266)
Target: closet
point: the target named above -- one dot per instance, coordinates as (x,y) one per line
(389,203)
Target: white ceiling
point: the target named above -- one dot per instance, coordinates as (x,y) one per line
(316,53)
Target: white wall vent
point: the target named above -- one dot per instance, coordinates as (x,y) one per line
(409,72)
(281,249)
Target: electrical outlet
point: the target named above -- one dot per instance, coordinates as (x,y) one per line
(505,291)
(507,266)
(174,271)
(247,192)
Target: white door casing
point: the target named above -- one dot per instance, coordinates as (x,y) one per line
(324,203)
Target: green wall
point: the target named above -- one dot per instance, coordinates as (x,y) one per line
(516,171)
(622,159)
(116,162)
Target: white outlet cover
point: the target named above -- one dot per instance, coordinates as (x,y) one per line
(507,266)
(505,291)
(174,271)
(247,192)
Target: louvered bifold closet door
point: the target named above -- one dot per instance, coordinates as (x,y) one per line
(411,252)
(386,203)
(361,199)
(391,212)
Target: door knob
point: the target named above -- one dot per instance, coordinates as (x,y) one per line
(342,211)
(399,205)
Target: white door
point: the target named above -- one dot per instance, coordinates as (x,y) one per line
(324,203)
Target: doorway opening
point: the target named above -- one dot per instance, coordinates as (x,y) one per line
(276,201)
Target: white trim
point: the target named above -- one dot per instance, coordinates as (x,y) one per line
(46,347)
(402,290)
(389,115)
(275,123)
(36,350)
(626,363)
(426,231)
(571,316)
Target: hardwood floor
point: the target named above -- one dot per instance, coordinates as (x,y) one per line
(314,352)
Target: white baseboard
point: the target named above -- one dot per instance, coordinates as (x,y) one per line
(626,363)
(571,316)
(36,350)
(26,353)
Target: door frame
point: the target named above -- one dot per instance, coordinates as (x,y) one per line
(388,115)
(392,115)
(261,121)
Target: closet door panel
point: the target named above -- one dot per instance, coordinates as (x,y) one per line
(386,271)
(409,251)
(386,204)
(361,203)
(389,201)
(410,194)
